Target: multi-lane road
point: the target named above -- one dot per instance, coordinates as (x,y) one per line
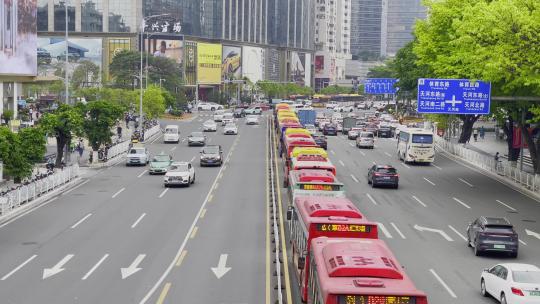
(121,237)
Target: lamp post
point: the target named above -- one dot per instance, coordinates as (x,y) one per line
(67,52)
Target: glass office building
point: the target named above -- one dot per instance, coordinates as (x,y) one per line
(401,17)
(366,31)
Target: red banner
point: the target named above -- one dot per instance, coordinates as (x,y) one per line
(518,138)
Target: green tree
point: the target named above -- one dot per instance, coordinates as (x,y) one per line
(85,74)
(408,70)
(385,70)
(63,123)
(123,68)
(35,144)
(153,102)
(101,116)
(12,155)
(334,90)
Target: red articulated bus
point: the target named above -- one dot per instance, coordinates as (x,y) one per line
(358,271)
(315,216)
(303,162)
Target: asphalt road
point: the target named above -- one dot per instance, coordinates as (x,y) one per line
(121,237)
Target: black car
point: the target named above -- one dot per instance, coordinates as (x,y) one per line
(330,129)
(211,156)
(383,175)
(43,56)
(239,113)
(320,140)
(492,234)
(384,131)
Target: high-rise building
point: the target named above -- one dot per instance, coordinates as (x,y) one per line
(400,17)
(366,30)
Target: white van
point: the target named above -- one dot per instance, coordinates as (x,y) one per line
(172,134)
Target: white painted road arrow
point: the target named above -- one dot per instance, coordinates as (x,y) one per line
(56,269)
(442,233)
(133,268)
(221,269)
(532,233)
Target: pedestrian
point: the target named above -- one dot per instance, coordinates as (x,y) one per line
(482,132)
(497,161)
(119,131)
(475,134)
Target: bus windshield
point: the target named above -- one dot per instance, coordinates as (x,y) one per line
(422,139)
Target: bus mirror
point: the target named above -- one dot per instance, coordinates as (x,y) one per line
(301,263)
(290,213)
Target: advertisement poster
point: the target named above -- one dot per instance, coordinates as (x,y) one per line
(272,64)
(190,62)
(84,58)
(209,63)
(298,68)
(253,63)
(232,62)
(171,47)
(18,37)
(116,45)
(319,66)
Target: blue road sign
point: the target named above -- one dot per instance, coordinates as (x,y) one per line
(380,86)
(453,96)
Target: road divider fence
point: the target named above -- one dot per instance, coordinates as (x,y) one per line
(151,132)
(24,194)
(504,169)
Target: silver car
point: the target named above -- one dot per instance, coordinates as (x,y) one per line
(196,139)
(365,140)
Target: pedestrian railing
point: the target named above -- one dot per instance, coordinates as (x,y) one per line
(14,199)
(504,169)
(151,132)
(118,149)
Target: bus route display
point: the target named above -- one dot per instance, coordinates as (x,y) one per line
(342,228)
(320,187)
(354,299)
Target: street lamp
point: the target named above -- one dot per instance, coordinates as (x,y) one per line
(67,52)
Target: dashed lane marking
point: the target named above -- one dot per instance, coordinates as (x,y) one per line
(163,193)
(341,163)
(138,220)
(18,267)
(458,233)
(118,192)
(419,201)
(465,182)
(181,258)
(437,167)
(506,205)
(81,220)
(462,203)
(398,231)
(89,273)
(448,289)
(384,230)
(142,173)
(354,178)
(427,180)
(371,199)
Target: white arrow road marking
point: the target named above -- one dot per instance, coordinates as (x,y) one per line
(442,233)
(506,205)
(354,178)
(49,272)
(427,180)
(398,231)
(133,268)
(18,268)
(142,173)
(118,192)
(450,291)
(163,193)
(532,233)
(384,230)
(89,273)
(465,205)
(138,220)
(81,220)
(458,233)
(465,182)
(221,269)
(419,201)
(371,199)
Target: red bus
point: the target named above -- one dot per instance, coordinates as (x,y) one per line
(289,143)
(358,271)
(310,182)
(315,216)
(303,162)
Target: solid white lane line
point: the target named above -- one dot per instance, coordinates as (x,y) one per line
(89,273)
(81,220)
(384,230)
(387,154)
(458,233)
(427,180)
(341,163)
(163,193)
(405,165)
(363,154)
(462,203)
(371,199)
(506,205)
(18,268)
(173,148)
(76,187)
(448,289)
(142,173)
(522,242)
(27,212)
(465,182)
(138,220)
(118,192)
(332,151)
(436,167)
(398,231)
(354,178)
(419,201)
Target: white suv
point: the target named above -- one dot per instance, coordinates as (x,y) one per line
(209,106)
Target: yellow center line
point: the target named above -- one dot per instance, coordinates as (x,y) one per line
(194,232)
(164,293)
(203,213)
(210,198)
(216,186)
(181,258)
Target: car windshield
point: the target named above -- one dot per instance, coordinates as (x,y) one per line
(230,126)
(228,115)
(528,277)
(171,131)
(179,167)
(422,139)
(161,158)
(387,170)
(367,135)
(211,150)
(137,151)
(209,122)
(197,134)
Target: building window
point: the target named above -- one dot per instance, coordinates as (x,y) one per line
(60,16)
(43,15)
(91,16)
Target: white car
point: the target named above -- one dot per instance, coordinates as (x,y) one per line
(230,129)
(218,115)
(331,104)
(179,174)
(512,283)
(311,128)
(209,126)
(138,156)
(365,140)
(344,109)
(252,120)
(227,118)
(209,106)
(172,134)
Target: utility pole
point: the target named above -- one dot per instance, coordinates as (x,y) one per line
(67,52)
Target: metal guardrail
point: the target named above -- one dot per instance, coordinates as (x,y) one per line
(151,132)
(25,194)
(527,180)
(118,149)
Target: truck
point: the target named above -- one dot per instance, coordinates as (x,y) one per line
(307,117)
(348,123)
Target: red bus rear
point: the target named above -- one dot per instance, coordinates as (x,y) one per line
(306,162)
(358,271)
(292,142)
(316,216)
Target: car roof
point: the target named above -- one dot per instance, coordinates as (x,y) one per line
(495,221)
(520,266)
(385,167)
(180,163)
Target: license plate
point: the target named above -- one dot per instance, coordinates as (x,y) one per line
(499,246)
(534,293)
(386,177)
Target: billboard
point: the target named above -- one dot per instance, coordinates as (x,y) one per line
(190,62)
(253,62)
(116,45)
(209,63)
(319,66)
(171,47)
(232,62)
(18,36)
(272,65)
(84,59)
(298,68)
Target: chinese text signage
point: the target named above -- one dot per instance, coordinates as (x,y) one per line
(380,86)
(209,63)
(453,96)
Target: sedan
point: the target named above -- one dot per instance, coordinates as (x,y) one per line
(320,140)
(160,163)
(330,129)
(383,176)
(230,129)
(209,126)
(512,283)
(196,139)
(180,174)
(353,133)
